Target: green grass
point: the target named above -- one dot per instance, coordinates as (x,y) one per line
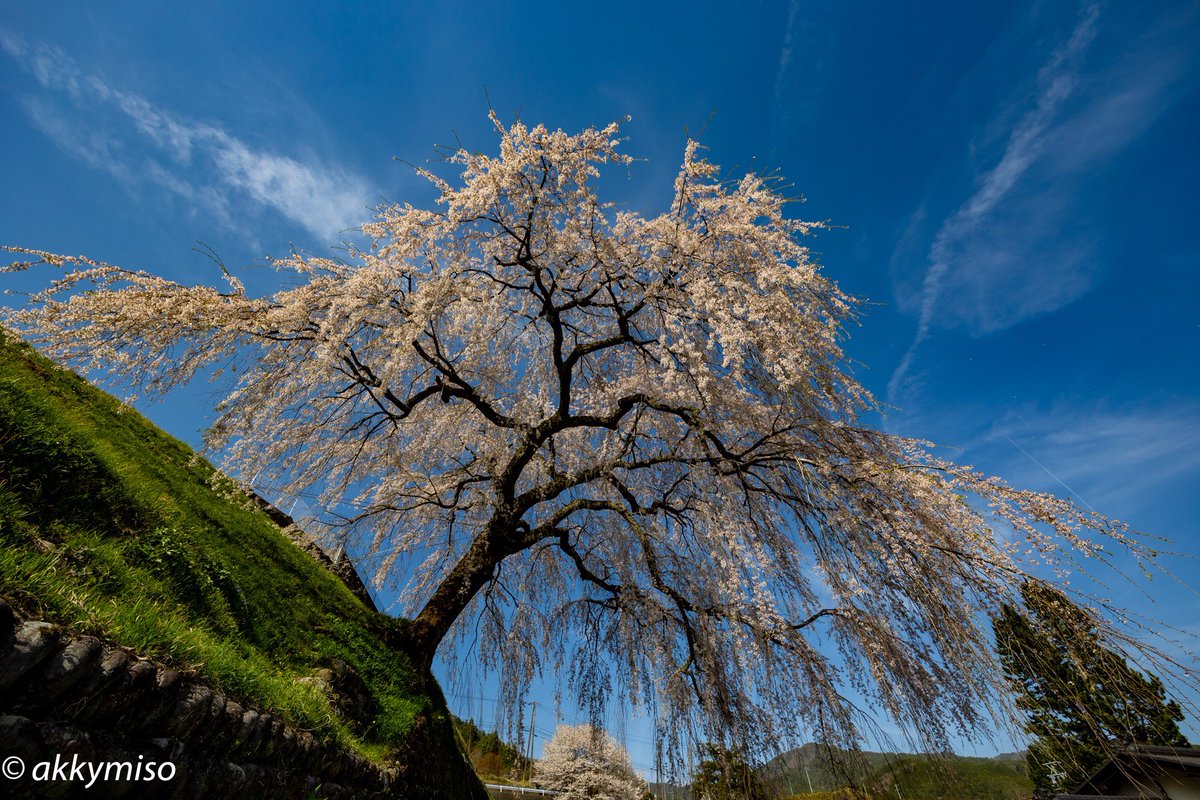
(926,783)
(962,777)
(111,526)
(917,777)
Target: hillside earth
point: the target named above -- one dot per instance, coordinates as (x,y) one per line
(112,528)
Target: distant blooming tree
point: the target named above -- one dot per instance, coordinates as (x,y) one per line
(624,447)
(585,763)
(1082,698)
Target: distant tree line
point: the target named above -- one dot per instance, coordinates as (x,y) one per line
(488,753)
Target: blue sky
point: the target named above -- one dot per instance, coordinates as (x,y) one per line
(1014,184)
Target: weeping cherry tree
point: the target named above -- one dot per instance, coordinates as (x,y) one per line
(624,448)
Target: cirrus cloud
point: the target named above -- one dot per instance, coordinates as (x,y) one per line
(143,145)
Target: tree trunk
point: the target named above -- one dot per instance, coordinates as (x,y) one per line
(458,588)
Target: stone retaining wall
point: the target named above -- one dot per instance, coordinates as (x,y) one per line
(71,695)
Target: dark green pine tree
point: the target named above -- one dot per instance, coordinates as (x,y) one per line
(1083,699)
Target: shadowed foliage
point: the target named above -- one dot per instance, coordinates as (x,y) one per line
(1083,699)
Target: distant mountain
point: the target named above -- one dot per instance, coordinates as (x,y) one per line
(1018,756)
(889,775)
(818,768)
(879,775)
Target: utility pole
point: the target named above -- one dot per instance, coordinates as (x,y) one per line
(529,748)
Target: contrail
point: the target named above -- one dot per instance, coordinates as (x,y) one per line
(1043,468)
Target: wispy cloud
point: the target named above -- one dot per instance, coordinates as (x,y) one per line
(807,30)
(1105,456)
(1014,249)
(1056,81)
(142,145)
(785,53)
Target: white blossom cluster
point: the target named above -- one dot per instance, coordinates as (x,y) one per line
(583,762)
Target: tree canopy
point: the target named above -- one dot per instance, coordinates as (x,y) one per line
(1083,699)
(624,447)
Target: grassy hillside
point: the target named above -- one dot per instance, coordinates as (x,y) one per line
(916,777)
(111,526)
(962,777)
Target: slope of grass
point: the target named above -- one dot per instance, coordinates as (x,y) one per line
(961,777)
(915,777)
(111,526)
